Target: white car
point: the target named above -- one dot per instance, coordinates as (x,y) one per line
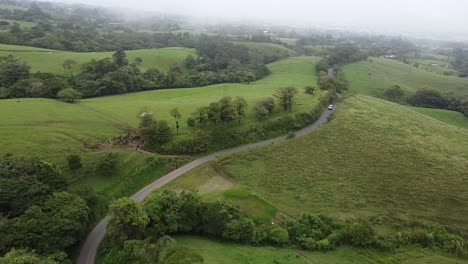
(330,107)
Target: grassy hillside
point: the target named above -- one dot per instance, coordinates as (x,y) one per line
(374,75)
(51,61)
(446,116)
(290,72)
(227,253)
(267,49)
(375,160)
(49,127)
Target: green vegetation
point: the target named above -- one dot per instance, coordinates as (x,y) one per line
(373,76)
(415,159)
(434,66)
(270,51)
(52,128)
(51,61)
(446,116)
(22,24)
(289,41)
(224,252)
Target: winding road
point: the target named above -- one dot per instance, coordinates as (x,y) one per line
(89,249)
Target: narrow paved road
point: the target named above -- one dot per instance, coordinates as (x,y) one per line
(89,249)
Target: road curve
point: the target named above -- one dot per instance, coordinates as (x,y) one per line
(89,249)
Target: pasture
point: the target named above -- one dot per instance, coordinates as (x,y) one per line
(267,50)
(374,75)
(374,160)
(51,61)
(50,128)
(446,116)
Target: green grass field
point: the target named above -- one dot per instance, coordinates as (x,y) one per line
(267,49)
(12,7)
(289,41)
(374,75)
(51,61)
(297,71)
(23,24)
(446,116)
(49,127)
(374,160)
(429,65)
(214,252)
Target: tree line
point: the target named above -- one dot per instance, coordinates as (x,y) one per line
(428,98)
(222,62)
(216,126)
(166,213)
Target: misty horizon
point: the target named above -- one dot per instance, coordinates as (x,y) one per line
(433,18)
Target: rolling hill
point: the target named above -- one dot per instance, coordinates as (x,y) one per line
(375,160)
(374,75)
(50,127)
(50,61)
(268,50)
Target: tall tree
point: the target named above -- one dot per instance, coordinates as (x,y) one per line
(177,116)
(240,104)
(286,97)
(126,220)
(68,65)
(227,109)
(120,58)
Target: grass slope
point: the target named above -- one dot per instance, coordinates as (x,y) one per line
(373,76)
(52,128)
(296,71)
(49,127)
(227,253)
(51,61)
(374,160)
(446,116)
(267,49)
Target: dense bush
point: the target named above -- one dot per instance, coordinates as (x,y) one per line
(36,213)
(171,213)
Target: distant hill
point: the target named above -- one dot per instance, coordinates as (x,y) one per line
(374,75)
(50,61)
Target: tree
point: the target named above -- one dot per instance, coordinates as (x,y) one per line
(261,112)
(12,70)
(120,58)
(68,65)
(427,98)
(108,164)
(74,162)
(286,97)
(241,230)
(213,112)
(22,256)
(126,220)
(310,90)
(64,222)
(227,110)
(176,114)
(240,104)
(394,93)
(138,61)
(69,95)
(182,255)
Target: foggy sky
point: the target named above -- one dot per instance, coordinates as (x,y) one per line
(438,17)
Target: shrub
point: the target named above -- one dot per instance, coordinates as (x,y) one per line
(108,164)
(310,90)
(241,230)
(74,162)
(360,234)
(394,93)
(278,236)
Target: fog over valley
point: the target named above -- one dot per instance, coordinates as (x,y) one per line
(420,18)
